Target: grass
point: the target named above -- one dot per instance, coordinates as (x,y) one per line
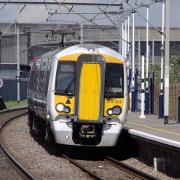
(12,104)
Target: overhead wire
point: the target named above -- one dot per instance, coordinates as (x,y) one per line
(10,24)
(58,25)
(3,6)
(136,11)
(94,18)
(88,20)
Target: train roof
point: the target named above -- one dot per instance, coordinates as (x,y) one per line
(83,48)
(50,54)
(89,49)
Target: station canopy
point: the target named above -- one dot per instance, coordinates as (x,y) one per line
(88,12)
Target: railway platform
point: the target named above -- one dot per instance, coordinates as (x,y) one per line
(153,128)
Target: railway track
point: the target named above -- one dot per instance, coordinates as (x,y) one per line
(108,163)
(137,174)
(79,165)
(127,172)
(6,117)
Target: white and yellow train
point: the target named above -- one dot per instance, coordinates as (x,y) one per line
(78,96)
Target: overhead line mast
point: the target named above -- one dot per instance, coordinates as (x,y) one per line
(166,63)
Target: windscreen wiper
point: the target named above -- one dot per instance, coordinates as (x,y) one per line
(109,92)
(67,90)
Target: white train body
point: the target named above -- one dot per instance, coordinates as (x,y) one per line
(78,96)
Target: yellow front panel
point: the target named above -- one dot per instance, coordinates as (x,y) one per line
(90,87)
(112,59)
(108,58)
(66,101)
(110,103)
(70,57)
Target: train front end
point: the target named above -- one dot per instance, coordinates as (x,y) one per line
(89,99)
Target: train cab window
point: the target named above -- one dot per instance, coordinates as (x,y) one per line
(65,78)
(114,81)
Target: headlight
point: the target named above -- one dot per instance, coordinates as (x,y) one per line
(62,108)
(109,112)
(116,110)
(67,109)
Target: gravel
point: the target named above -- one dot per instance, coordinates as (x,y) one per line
(35,157)
(105,170)
(145,168)
(44,164)
(6,170)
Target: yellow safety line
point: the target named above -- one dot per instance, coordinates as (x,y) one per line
(148,127)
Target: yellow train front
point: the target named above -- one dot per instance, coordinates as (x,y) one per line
(86,99)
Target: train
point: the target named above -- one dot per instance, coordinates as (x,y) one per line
(78,96)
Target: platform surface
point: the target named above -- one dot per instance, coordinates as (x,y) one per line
(154,128)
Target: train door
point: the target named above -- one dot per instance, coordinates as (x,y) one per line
(89,92)
(90,88)
(87,128)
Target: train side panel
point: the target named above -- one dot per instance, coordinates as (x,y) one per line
(38,87)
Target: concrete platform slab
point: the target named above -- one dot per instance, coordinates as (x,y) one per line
(154,129)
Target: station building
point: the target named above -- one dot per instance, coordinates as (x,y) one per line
(37,39)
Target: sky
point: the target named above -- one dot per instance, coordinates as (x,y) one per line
(155,12)
(39,14)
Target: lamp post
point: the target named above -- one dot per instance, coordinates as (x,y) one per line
(18,65)
(166,65)
(147,62)
(133,109)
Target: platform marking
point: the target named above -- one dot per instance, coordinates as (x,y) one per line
(149,127)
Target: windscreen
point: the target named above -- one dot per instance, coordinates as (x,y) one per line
(65,78)
(114,81)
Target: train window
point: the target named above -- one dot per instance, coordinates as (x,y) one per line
(114,81)
(65,78)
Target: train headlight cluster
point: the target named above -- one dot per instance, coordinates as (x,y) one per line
(67,109)
(62,108)
(116,110)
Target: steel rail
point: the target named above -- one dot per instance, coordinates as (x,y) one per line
(11,110)
(22,171)
(129,169)
(90,173)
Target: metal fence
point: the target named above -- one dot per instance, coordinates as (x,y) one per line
(9,90)
(8,73)
(174,93)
